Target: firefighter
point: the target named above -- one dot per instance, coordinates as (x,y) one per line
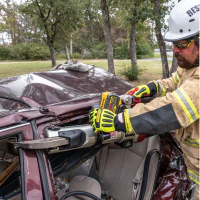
(177,104)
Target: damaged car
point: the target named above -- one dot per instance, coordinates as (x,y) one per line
(48,149)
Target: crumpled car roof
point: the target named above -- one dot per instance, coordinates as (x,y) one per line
(60,85)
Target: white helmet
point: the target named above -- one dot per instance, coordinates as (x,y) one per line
(184,21)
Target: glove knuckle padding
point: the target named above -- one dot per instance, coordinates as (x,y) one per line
(144,89)
(107,120)
(102,120)
(107,125)
(107,112)
(108,116)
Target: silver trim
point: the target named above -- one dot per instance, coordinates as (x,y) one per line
(13,127)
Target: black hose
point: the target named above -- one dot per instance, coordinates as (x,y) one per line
(87,194)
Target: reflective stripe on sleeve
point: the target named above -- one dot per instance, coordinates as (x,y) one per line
(194,177)
(129,128)
(186,104)
(194,143)
(176,77)
(163,90)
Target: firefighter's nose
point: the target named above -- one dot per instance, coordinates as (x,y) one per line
(176,49)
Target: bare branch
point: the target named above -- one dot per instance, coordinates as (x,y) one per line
(48,15)
(40,9)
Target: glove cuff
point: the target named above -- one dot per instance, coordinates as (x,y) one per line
(153,86)
(122,122)
(119,122)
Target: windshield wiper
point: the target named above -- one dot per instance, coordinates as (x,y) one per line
(22,102)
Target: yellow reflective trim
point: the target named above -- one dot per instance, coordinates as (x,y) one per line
(163,90)
(176,77)
(156,85)
(186,104)
(194,177)
(173,76)
(183,107)
(194,143)
(196,113)
(129,128)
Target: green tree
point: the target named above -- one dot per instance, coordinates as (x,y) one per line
(19,27)
(91,16)
(161,9)
(9,20)
(89,32)
(159,12)
(53,17)
(131,13)
(30,32)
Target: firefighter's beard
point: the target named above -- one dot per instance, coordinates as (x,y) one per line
(184,63)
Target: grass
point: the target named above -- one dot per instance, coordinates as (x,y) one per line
(9,69)
(152,68)
(156,55)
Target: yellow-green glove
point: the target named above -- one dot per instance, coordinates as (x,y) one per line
(102,120)
(148,90)
(107,121)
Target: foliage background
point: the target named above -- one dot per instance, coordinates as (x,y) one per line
(80,28)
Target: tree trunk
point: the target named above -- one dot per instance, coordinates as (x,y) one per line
(52,53)
(67,53)
(71,46)
(174,65)
(92,32)
(2,39)
(133,46)
(161,43)
(90,26)
(163,54)
(12,37)
(107,34)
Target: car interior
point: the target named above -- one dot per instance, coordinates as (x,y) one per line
(112,172)
(119,173)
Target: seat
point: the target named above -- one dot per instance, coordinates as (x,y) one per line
(125,172)
(86,184)
(83,183)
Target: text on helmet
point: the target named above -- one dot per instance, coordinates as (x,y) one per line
(193,10)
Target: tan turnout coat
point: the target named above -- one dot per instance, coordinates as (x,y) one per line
(175,108)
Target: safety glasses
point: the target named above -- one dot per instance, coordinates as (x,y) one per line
(183,44)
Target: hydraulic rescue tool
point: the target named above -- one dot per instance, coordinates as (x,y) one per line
(111,102)
(117,104)
(57,139)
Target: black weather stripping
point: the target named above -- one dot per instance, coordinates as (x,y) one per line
(43,175)
(146,173)
(87,194)
(21,159)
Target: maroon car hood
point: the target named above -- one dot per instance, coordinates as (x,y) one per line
(61,91)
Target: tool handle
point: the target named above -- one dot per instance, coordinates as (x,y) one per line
(147,99)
